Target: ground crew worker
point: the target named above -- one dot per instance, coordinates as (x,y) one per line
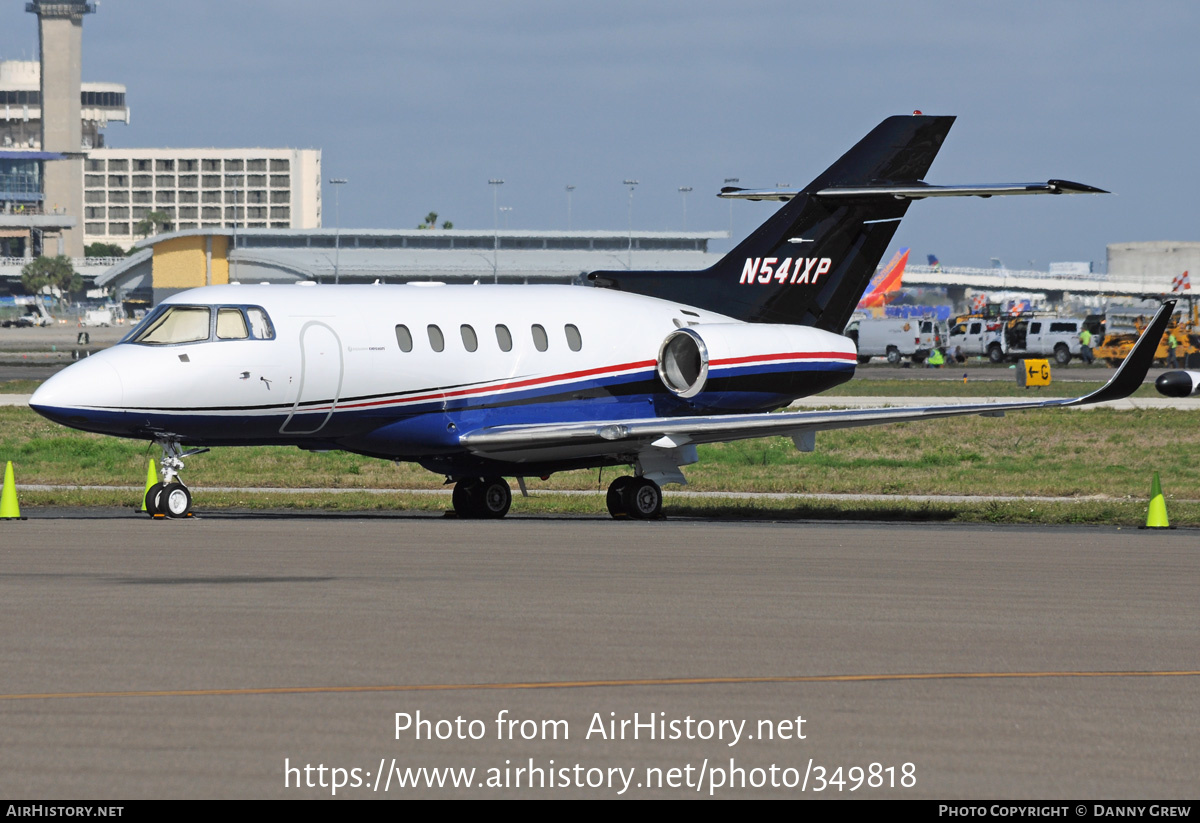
(1172,360)
(936,359)
(1085,347)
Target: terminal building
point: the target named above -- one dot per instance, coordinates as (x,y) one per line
(199,189)
(168,263)
(21,107)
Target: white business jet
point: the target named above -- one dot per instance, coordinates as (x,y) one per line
(484,382)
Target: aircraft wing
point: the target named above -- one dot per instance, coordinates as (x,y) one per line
(616,437)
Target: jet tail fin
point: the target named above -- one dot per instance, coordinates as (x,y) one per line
(810,261)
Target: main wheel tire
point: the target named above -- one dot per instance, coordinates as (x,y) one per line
(643,499)
(862,361)
(492,498)
(616,496)
(1062,355)
(176,500)
(893,355)
(995,354)
(463,497)
(154,499)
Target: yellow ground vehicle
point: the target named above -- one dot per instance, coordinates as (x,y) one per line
(1122,327)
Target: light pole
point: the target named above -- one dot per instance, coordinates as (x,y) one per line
(632,185)
(683,191)
(506,210)
(728,182)
(337,183)
(495,183)
(569,190)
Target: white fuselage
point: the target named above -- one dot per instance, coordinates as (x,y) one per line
(403,371)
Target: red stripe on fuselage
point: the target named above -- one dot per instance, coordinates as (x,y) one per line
(514,384)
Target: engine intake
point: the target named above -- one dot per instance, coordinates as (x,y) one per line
(751,365)
(683,363)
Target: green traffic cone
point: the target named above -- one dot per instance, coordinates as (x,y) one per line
(1156,515)
(151,479)
(9,509)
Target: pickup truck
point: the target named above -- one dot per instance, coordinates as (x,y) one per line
(1013,338)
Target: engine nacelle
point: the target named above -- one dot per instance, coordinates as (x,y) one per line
(1178,383)
(752,365)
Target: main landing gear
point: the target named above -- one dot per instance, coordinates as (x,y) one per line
(484,498)
(170,498)
(638,498)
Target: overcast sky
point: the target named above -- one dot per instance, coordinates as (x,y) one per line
(418,105)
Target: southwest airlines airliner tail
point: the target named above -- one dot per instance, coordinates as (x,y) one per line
(809,263)
(884,286)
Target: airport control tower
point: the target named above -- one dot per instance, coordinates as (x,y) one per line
(60,33)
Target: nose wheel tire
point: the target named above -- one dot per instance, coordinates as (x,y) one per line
(154,499)
(171,500)
(637,498)
(176,500)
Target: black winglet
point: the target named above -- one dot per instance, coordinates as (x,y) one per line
(1133,371)
(1070,187)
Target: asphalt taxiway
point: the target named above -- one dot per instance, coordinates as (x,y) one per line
(207,657)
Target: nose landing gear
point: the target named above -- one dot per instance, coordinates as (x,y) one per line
(170,498)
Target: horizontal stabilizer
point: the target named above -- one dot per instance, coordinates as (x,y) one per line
(917,191)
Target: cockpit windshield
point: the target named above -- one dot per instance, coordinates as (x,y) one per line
(178,324)
(170,325)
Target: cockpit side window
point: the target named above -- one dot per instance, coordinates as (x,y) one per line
(231,325)
(260,324)
(177,324)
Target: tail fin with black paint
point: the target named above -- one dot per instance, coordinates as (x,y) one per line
(809,263)
(811,260)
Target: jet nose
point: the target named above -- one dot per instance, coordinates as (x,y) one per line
(1176,383)
(89,384)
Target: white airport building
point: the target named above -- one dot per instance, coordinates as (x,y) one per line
(199,189)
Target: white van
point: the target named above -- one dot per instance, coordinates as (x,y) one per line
(896,338)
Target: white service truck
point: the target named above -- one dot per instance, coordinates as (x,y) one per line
(895,338)
(1013,338)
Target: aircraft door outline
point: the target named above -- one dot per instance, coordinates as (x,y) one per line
(312,377)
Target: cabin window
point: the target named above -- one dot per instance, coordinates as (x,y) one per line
(178,324)
(540,341)
(504,338)
(231,325)
(574,340)
(436,341)
(976,328)
(260,324)
(1035,328)
(470,341)
(404,338)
